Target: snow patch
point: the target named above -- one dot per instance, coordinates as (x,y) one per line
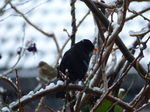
(52,85)
(5,109)
(59,82)
(96,89)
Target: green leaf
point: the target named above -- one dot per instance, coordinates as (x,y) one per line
(107,105)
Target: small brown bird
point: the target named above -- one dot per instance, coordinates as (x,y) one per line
(47,72)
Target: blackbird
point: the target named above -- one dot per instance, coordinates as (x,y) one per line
(76,61)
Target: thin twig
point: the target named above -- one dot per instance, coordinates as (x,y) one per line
(9,81)
(67,92)
(121,21)
(138,13)
(21,109)
(78,102)
(83,18)
(61,50)
(142,107)
(51,110)
(139,97)
(27,20)
(40,104)
(73,24)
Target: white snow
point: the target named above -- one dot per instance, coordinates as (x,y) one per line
(121,89)
(41,90)
(12,104)
(59,82)
(2,90)
(80,83)
(30,94)
(5,109)
(136,33)
(51,85)
(96,89)
(143,105)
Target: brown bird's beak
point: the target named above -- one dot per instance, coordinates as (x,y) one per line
(95,49)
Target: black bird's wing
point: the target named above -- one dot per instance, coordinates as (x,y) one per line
(80,62)
(76,62)
(65,62)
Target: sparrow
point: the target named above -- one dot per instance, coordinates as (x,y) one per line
(75,61)
(47,72)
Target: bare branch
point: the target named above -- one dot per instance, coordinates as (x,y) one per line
(140,12)
(73,24)
(52,89)
(9,81)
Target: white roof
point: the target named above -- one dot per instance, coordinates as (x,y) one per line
(52,17)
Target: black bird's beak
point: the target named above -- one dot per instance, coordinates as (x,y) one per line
(95,49)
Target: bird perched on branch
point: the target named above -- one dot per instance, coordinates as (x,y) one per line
(47,72)
(76,61)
